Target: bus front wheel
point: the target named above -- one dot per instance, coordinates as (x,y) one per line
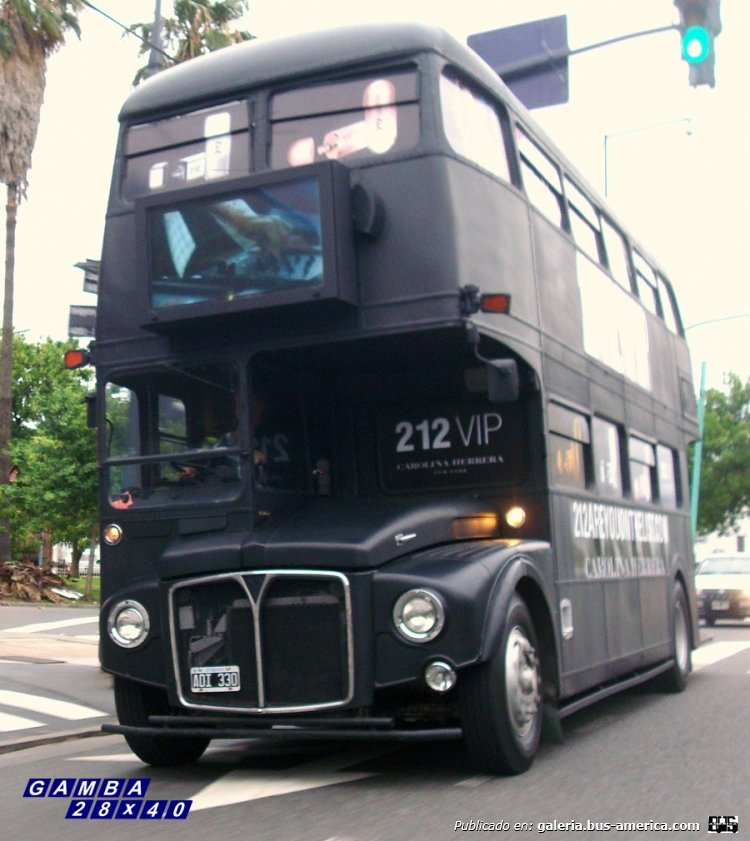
(501,705)
(134,703)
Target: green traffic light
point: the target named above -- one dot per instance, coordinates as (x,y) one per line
(696,44)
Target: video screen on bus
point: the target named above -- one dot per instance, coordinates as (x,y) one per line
(237,244)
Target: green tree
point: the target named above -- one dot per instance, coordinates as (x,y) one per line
(198,27)
(53,449)
(30,31)
(725,468)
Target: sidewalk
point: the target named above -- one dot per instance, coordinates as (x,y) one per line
(56,647)
(37,648)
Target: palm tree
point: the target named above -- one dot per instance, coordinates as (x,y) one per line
(198,27)
(30,31)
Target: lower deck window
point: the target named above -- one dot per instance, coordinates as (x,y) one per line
(568,442)
(642,470)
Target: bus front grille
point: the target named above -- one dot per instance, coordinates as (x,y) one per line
(270,641)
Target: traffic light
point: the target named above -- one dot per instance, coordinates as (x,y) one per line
(700,24)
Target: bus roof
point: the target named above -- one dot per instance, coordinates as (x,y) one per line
(257,62)
(228,72)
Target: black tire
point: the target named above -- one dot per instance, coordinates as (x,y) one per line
(134,703)
(500,700)
(675,680)
(710,621)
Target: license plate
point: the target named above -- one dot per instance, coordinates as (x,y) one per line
(215,679)
(720,604)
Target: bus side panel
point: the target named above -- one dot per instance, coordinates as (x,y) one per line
(617,565)
(493,243)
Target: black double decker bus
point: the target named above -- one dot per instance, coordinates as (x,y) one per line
(392,411)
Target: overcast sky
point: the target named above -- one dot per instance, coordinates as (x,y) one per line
(682,188)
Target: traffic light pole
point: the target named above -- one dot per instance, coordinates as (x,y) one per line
(520,68)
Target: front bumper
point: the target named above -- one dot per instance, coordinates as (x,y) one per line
(343,728)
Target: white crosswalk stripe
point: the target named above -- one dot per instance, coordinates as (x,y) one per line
(50,707)
(10,723)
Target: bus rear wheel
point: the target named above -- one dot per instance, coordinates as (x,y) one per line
(501,705)
(134,703)
(675,679)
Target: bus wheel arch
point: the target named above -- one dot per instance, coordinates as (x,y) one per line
(500,699)
(522,582)
(676,677)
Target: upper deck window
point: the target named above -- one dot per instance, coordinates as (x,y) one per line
(617,254)
(584,221)
(186,150)
(472,126)
(669,305)
(646,281)
(541,178)
(345,120)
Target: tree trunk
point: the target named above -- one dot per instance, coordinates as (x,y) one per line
(6,357)
(90,572)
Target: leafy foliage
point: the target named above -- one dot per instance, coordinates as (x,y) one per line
(52,448)
(30,31)
(36,23)
(725,466)
(198,27)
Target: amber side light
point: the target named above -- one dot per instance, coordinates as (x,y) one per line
(112,534)
(515,517)
(483,525)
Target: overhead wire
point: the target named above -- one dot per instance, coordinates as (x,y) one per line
(128,30)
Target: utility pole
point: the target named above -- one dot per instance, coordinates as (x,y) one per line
(155,60)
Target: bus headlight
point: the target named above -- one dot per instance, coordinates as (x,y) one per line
(419,615)
(128,624)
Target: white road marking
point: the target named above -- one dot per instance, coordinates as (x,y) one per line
(473,782)
(50,626)
(247,784)
(9,723)
(48,706)
(712,653)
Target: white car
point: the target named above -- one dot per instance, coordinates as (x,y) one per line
(722,584)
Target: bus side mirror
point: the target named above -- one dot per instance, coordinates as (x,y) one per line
(90,401)
(502,380)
